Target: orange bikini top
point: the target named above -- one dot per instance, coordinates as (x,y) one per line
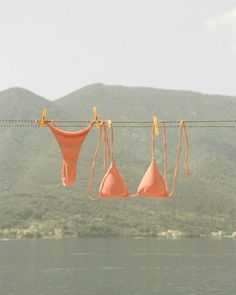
(152,183)
(112,185)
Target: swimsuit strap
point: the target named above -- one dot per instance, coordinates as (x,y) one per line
(50,123)
(94,160)
(112,144)
(106,142)
(153,157)
(163,126)
(181,128)
(106,152)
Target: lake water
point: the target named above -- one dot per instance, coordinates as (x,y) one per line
(123,266)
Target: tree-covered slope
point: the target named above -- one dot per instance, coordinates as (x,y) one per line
(31,163)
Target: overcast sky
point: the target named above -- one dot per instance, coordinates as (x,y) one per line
(53,47)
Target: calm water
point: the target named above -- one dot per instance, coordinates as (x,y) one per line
(118,266)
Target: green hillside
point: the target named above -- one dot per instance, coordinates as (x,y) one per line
(31,192)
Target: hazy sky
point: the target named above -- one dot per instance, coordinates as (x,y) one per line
(53,47)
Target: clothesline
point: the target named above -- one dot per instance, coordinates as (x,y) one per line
(21,123)
(152,184)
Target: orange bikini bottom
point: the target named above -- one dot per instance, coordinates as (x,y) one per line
(70,144)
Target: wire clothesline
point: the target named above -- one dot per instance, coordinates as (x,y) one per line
(22,123)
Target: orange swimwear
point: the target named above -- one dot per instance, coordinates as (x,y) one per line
(70,144)
(152,183)
(113,184)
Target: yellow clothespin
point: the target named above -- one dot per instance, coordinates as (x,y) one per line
(42,121)
(155,122)
(109,123)
(95,116)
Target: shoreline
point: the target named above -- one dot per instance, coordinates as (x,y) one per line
(58,233)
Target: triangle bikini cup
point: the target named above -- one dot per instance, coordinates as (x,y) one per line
(152,183)
(113,184)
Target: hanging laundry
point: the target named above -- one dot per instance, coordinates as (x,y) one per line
(113,184)
(70,144)
(152,183)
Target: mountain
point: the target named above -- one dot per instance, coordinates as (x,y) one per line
(31,192)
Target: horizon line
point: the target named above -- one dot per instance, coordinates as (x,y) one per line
(115,85)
